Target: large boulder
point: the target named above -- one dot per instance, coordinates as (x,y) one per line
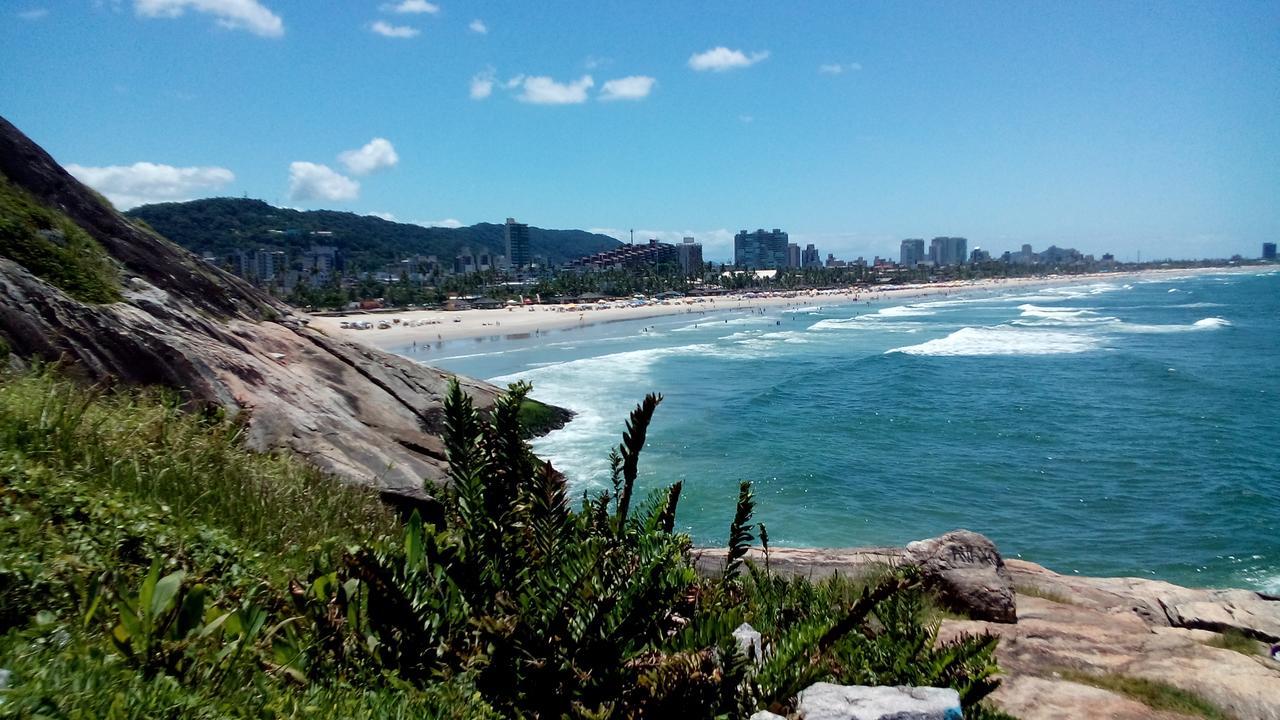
(966,571)
(825,701)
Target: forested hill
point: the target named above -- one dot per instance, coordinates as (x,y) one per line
(224,225)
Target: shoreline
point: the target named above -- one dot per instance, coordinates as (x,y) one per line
(522,322)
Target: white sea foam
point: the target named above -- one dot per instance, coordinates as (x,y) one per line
(1004,340)
(1199,305)
(616,381)
(859,324)
(1209,323)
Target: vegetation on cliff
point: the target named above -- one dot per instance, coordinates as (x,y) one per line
(151,567)
(53,248)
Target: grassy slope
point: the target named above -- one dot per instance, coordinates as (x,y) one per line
(93,486)
(54,248)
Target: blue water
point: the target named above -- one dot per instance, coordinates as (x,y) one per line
(1129,427)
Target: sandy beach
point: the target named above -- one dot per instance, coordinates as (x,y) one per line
(408,326)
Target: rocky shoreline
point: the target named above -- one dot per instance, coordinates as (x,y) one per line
(1066,631)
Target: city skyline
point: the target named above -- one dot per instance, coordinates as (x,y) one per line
(1108,128)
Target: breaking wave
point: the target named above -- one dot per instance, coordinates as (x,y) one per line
(1003,340)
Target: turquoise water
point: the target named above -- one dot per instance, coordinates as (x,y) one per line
(1109,428)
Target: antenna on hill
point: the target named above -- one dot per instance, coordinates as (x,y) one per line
(633,236)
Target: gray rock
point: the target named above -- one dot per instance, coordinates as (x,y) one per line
(749,641)
(766,715)
(825,701)
(966,571)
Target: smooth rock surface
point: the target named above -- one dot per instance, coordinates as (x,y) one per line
(825,701)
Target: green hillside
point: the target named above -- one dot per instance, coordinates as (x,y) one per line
(224,225)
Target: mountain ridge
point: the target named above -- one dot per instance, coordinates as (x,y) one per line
(224,225)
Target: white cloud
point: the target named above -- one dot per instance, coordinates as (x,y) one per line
(445,223)
(377,154)
(386,29)
(542,90)
(482,84)
(143,182)
(310,181)
(412,7)
(478,26)
(635,87)
(383,215)
(514,82)
(248,15)
(838,68)
(592,62)
(33,13)
(721,58)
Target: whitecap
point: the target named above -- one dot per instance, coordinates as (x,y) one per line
(1209,323)
(1003,340)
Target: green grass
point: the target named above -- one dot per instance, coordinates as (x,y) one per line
(1038,592)
(1152,693)
(539,418)
(1236,641)
(95,485)
(53,248)
(143,444)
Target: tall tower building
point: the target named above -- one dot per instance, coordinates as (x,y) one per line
(517,237)
(810,257)
(912,252)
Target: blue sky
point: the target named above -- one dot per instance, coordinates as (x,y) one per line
(1116,126)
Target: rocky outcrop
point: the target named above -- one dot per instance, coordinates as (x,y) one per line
(968,575)
(370,417)
(1075,633)
(964,569)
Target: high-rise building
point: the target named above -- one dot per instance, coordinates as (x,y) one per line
(912,252)
(760,250)
(810,257)
(793,255)
(948,250)
(690,253)
(517,237)
(321,262)
(1268,251)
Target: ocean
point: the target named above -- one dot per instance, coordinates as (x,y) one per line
(1121,427)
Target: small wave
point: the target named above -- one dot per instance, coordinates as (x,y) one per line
(807,309)
(903,311)
(1003,340)
(1209,323)
(857,324)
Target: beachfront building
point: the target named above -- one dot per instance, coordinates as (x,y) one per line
(1268,251)
(793,255)
(517,237)
(911,253)
(810,257)
(690,254)
(760,250)
(626,256)
(948,250)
